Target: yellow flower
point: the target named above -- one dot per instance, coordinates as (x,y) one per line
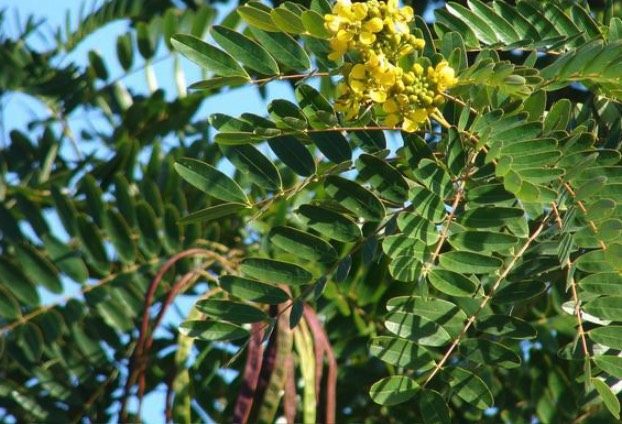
(446,76)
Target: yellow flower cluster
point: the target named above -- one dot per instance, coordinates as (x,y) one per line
(376,35)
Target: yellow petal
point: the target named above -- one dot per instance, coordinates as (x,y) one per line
(360,10)
(407,13)
(358,72)
(409,126)
(373,25)
(367,38)
(419,43)
(402,27)
(335,56)
(392,120)
(378,96)
(343,35)
(418,115)
(390,106)
(357,86)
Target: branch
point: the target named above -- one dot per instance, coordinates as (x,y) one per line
(487,299)
(573,291)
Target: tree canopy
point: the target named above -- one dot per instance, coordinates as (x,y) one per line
(424,225)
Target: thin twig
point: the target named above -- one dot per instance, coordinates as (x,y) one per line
(486,299)
(573,291)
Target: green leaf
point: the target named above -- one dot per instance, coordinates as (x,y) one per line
(277,272)
(482,241)
(238,313)
(523,26)
(284,49)
(594,262)
(329,223)
(66,259)
(606,307)
(333,145)
(314,24)
(427,204)
(482,30)
(558,116)
(505,326)
(245,50)
(401,353)
(125,52)
(502,28)
(434,177)
(210,180)
(287,21)
(603,283)
(490,217)
(30,342)
(393,390)
(434,409)
(369,140)
(257,17)
(235,138)
(469,262)
(249,160)
(38,267)
(120,235)
(9,306)
(610,336)
(287,115)
(383,177)
(51,324)
(406,268)
(489,194)
(148,227)
(146,43)
(294,154)
(415,226)
(451,283)
(226,123)
(218,82)
(519,292)
(303,245)
(612,365)
(173,232)
(210,58)
(400,245)
(213,212)
(540,175)
(358,200)
(252,290)
(481,351)
(444,313)
(94,200)
(93,244)
(609,398)
(416,328)
(469,387)
(212,330)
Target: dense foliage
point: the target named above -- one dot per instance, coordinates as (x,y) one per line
(431,232)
